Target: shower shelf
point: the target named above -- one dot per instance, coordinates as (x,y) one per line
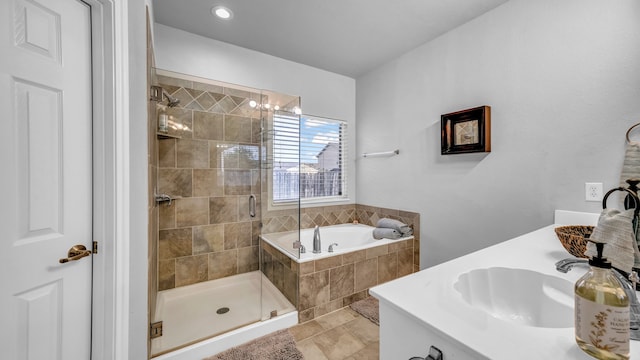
(162,136)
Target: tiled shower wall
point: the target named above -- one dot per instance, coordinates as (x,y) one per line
(206,233)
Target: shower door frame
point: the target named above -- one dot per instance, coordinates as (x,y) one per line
(178,84)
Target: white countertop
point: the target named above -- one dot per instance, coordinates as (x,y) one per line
(429,297)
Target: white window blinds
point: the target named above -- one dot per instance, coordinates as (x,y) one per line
(308,158)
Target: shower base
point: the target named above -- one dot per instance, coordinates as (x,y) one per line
(216,315)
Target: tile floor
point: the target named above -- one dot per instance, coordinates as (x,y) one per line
(341,335)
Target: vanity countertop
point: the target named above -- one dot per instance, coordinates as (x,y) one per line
(429,298)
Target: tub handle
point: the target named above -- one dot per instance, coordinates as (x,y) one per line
(252,205)
(331,246)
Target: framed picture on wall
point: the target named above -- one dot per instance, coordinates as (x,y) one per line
(466,131)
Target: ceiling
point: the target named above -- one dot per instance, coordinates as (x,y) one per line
(348,37)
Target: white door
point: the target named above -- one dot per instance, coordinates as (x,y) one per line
(45,181)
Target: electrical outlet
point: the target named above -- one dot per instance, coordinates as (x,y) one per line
(593,191)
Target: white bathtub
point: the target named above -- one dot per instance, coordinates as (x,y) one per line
(189,316)
(349,237)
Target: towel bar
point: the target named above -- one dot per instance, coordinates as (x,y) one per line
(384,153)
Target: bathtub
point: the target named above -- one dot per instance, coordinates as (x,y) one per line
(189,316)
(349,237)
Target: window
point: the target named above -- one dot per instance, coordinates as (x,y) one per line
(308,158)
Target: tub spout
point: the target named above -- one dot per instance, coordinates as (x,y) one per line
(317,248)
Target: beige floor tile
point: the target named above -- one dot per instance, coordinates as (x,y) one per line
(310,350)
(334,319)
(351,311)
(340,335)
(338,343)
(306,330)
(364,330)
(370,352)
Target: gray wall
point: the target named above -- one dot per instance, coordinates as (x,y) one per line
(563,81)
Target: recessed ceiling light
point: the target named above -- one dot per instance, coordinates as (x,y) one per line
(222,12)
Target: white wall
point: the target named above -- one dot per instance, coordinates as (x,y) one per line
(323,93)
(563,81)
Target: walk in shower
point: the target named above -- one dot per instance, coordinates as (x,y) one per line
(210,174)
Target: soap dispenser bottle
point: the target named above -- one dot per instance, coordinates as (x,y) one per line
(601,311)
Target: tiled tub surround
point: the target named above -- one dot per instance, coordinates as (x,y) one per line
(342,214)
(335,239)
(211,170)
(331,283)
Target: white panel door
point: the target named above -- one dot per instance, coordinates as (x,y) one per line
(46,185)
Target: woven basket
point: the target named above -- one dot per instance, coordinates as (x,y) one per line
(573,238)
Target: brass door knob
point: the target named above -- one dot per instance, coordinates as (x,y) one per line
(76,252)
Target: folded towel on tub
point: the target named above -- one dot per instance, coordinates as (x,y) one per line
(402,228)
(386,233)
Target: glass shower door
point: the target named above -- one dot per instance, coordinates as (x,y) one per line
(208,195)
(280,206)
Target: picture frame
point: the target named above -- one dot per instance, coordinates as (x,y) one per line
(466,131)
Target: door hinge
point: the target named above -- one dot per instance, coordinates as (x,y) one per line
(95,247)
(156,330)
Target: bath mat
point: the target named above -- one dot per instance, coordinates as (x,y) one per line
(368,308)
(279,345)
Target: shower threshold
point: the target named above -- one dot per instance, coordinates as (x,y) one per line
(193,313)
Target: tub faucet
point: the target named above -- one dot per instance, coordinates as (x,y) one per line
(627,284)
(317,248)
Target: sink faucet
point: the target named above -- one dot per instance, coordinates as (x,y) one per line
(627,284)
(317,248)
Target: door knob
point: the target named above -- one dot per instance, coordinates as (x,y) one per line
(76,252)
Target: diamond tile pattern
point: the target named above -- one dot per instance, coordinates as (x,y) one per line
(192,97)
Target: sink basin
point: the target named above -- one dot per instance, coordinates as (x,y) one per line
(519,296)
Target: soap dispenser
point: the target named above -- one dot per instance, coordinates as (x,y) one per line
(601,311)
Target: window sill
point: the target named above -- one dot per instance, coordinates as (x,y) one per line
(309,203)
(324,202)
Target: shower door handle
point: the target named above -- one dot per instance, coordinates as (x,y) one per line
(252,205)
